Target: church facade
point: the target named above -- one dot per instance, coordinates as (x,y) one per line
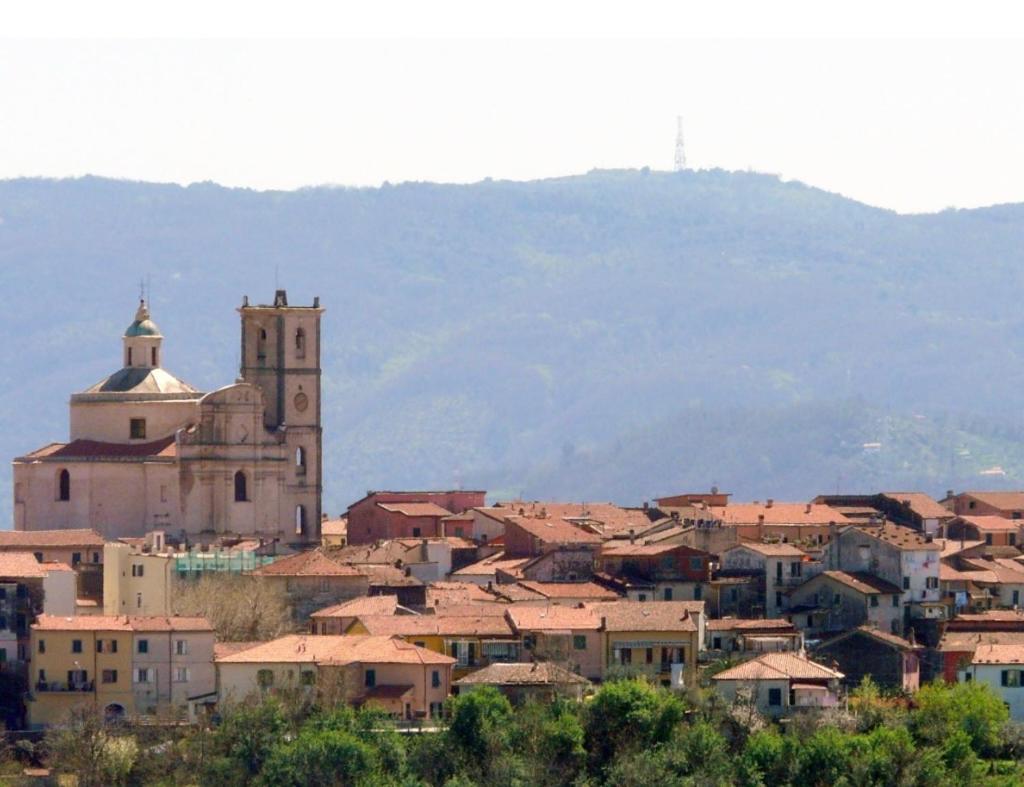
(147,451)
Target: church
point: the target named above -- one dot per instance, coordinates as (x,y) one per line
(147,451)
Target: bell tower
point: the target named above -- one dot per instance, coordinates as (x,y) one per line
(281,355)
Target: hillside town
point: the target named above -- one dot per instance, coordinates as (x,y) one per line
(171,558)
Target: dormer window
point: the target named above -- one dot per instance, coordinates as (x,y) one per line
(137,428)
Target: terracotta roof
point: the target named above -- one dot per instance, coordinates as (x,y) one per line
(921,504)
(770,550)
(553,618)
(778,514)
(335,650)
(646,615)
(862,582)
(22,565)
(516,592)
(779,666)
(489,565)
(950,574)
(1002,653)
(967,641)
(749,624)
(94,449)
(902,538)
(539,673)
(606,519)
(364,605)
(553,531)
(121,623)
(992,615)
(953,546)
(415,509)
(453,592)
(1005,501)
(993,524)
(477,609)
(1006,571)
(617,549)
(440,625)
(581,590)
(222,649)
(28,539)
(306,564)
(882,636)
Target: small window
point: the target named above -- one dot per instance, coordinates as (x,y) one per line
(143,646)
(142,675)
(129,357)
(99,646)
(137,569)
(667,594)
(1013,539)
(307,677)
(371,678)
(137,428)
(874,600)
(988,539)
(906,583)
(435,679)
(696,563)
(642,597)
(109,676)
(42,646)
(181,647)
(64,486)
(300,343)
(579,642)
(416,532)
(895,601)
(778,599)
(76,646)
(241,487)
(265,678)
(300,520)
(181,675)
(1011,677)
(300,461)
(113,646)
(775,698)
(138,601)
(76,558)
(698,592)
(95,557)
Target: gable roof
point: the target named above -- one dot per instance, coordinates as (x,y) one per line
(552,531)
(779,666)
(440,625)
(992,523)
(750,624)
(1002,500)
(620,549)
(769,550)
(903,538)
(553,618)
(968,641)
(885,638)
(778,514)
(624,615)
(165,448)
(557,590)
(364,605)
(415,509)
(121,623)
(538,673)
(313,563)
(22,565)
(490,565)
(861,581)
(998,653)
(336,651)
(920,503)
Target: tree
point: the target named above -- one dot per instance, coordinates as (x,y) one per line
(243,740)
(84,746)
(972,708)
(240,608)
(319,756)
(480,723)
(628,714)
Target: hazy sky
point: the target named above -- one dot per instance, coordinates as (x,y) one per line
(912,120)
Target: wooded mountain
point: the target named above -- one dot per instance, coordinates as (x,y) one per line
(615,335)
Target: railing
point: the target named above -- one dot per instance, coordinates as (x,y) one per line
(45,686)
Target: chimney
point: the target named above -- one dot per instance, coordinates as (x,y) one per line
(760,519)
(769,502)
(949,493)
(714,490)
(808,509)
(646,507)
(632,536)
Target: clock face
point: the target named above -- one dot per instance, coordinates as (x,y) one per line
(301,402)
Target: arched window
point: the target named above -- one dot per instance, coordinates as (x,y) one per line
(241,487)
(63,485)
(128,361)
(300,461)
(300,343)
(261,345)
(300,520)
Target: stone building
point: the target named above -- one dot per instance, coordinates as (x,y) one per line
(148,451)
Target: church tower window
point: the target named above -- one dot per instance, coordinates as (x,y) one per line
(300,343)
(300,520)
(300,461)
(241,487)
(64,485)
(153,355)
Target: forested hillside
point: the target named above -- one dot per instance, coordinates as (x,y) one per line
(613,335)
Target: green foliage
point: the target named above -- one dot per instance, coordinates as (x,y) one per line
(629,714)
(320,756)
(971,708)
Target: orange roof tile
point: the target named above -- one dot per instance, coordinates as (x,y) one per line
(415,509)
(779,666)
(121,623)
(439,625)
(862,582)
(553,531)
(749,624)
(364,605)
(921,504)
(778,514)
(490,565)
(538,673)
(94,449)
(22,565)
(335,650)
(304,564)
(581,590)
(30,539)
(993,524)
(1005,501)
(770,550)
(1001,653)
(646,615)
(902,538)
(553,618)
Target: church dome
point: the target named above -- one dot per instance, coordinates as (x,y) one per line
(143,326)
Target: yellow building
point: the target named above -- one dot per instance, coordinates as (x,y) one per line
(474,641)
(117,665)
(137,582)
(659,638)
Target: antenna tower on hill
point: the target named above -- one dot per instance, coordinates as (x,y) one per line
(680,146)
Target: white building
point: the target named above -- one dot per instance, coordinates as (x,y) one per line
(1001,668)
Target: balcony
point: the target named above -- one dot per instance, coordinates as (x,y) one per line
(56,685)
